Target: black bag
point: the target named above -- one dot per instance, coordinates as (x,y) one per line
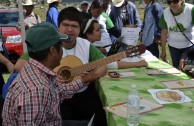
(189,56)
(116,47)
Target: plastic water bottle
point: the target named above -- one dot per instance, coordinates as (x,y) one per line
(133,103)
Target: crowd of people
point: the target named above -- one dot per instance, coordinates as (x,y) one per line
(35,94)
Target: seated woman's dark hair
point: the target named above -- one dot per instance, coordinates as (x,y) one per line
(89,29)
(191,53)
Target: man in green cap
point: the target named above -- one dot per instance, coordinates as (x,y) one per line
(35,94)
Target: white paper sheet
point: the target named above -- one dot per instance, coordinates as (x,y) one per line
(148,56)
(130,35)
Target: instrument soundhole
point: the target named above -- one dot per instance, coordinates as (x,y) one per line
(65,74)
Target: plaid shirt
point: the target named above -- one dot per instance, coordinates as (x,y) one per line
(34,96)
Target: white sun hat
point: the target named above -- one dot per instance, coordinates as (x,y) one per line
(28,3)
(118,3)
(51,1)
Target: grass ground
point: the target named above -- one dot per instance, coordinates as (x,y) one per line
(5,76)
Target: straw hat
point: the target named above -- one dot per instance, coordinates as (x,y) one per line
(118,3)
(51,1)
(28,3)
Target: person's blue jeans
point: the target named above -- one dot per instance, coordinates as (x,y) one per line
(8,83)
(153,48)
(176,55)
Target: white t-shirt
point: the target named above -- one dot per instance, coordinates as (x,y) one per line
(175,37)
(81,50)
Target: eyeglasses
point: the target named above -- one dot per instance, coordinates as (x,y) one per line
(73,27)
(173,1)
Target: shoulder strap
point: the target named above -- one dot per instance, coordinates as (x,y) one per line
(36,16)
(155,13)
(156,19)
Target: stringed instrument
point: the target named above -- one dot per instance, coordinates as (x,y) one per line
(71,67)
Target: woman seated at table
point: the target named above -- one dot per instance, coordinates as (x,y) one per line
(108,31)
(91,31)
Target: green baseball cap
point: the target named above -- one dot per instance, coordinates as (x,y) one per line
(42,36)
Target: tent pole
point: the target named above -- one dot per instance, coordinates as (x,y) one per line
(21,18)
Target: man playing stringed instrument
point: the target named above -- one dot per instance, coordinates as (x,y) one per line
(91,92)
(35,94)
(86,101)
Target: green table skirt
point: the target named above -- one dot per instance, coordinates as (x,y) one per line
(115,90)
